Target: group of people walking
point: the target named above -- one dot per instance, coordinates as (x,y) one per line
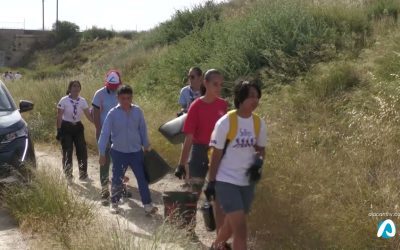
(236,140)
(222,154)
(121,133)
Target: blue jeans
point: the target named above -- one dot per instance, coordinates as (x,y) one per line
(121,161)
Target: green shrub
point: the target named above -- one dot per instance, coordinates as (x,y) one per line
(381,8)
(183,23)
(97,33)
(332,80)
(64,31)
(280,38)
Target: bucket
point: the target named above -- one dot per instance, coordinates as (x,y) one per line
(155,166)
(172,130)
(180,208)
(208,216)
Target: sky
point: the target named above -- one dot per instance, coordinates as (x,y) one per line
(111,14)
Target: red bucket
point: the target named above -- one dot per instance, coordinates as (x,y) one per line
(180,208)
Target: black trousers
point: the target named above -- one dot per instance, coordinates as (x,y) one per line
(73,134)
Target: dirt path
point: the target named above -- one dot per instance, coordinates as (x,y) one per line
(10,237)
(132,209)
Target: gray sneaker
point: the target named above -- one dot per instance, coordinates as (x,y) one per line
(150,209)
(114,209)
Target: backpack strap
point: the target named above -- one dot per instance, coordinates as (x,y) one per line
(257,124)
(233,127)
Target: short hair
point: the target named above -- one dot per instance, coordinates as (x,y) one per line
(198,71)
(71,83)
(210,73)
(242,90)
(125,90)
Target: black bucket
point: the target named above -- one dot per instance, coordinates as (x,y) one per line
(180,208)
(208,216)
(155,166)
(172,130)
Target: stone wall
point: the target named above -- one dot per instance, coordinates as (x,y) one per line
(16,44)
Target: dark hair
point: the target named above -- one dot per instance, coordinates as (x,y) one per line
(71,83)
(125,90)
(198,71)
(242,90)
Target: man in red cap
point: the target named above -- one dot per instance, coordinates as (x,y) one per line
(103,101)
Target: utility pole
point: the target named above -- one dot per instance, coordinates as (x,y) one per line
(57,16)
(43,14)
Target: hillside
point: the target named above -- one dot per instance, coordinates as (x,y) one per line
(330,74)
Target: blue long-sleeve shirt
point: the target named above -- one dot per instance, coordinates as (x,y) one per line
(127,129)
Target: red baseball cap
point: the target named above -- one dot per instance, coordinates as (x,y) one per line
(113,79)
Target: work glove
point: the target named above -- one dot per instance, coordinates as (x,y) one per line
(180,172)
(255,170)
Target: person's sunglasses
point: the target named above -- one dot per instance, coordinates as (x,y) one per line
(191,77)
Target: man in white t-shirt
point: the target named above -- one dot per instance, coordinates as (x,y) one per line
(236,165)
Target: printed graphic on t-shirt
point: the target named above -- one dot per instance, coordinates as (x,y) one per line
(245,139)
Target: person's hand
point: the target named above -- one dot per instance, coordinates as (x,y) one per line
(59,134)
(102,160)
(97,134)
(209,192)
(180,172)
(147,149)
(255,170)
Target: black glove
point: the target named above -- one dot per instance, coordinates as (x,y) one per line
(180,113)
(255,170)
(209,192)
(59,134)
(180,172)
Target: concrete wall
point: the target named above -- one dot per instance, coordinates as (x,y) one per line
(16,44)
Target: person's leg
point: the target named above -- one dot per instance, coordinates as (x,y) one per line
(238,224)
(67,150)
(119,163)
(219,215)
(137,165)
(104,175)
(198,167)
(228,196)
(81,152)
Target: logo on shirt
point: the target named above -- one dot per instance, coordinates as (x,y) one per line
(245,139)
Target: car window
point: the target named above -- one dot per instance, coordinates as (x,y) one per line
(5,101)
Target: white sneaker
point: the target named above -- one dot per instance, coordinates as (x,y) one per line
(150,209)
(114,209)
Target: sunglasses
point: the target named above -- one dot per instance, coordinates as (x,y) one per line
(191,77)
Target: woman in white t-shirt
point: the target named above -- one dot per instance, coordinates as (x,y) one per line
(70,130)
(236,165)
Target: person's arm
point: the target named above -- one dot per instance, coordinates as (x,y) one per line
(96,121)
(262,140)
(189,128)
(143,132)
(105,135)
(182,101)
(215,161)
(60,113)
(187,145)
(88,115)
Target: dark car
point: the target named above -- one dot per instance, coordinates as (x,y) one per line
(16,146)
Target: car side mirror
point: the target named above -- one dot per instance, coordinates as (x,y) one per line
(25,106)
